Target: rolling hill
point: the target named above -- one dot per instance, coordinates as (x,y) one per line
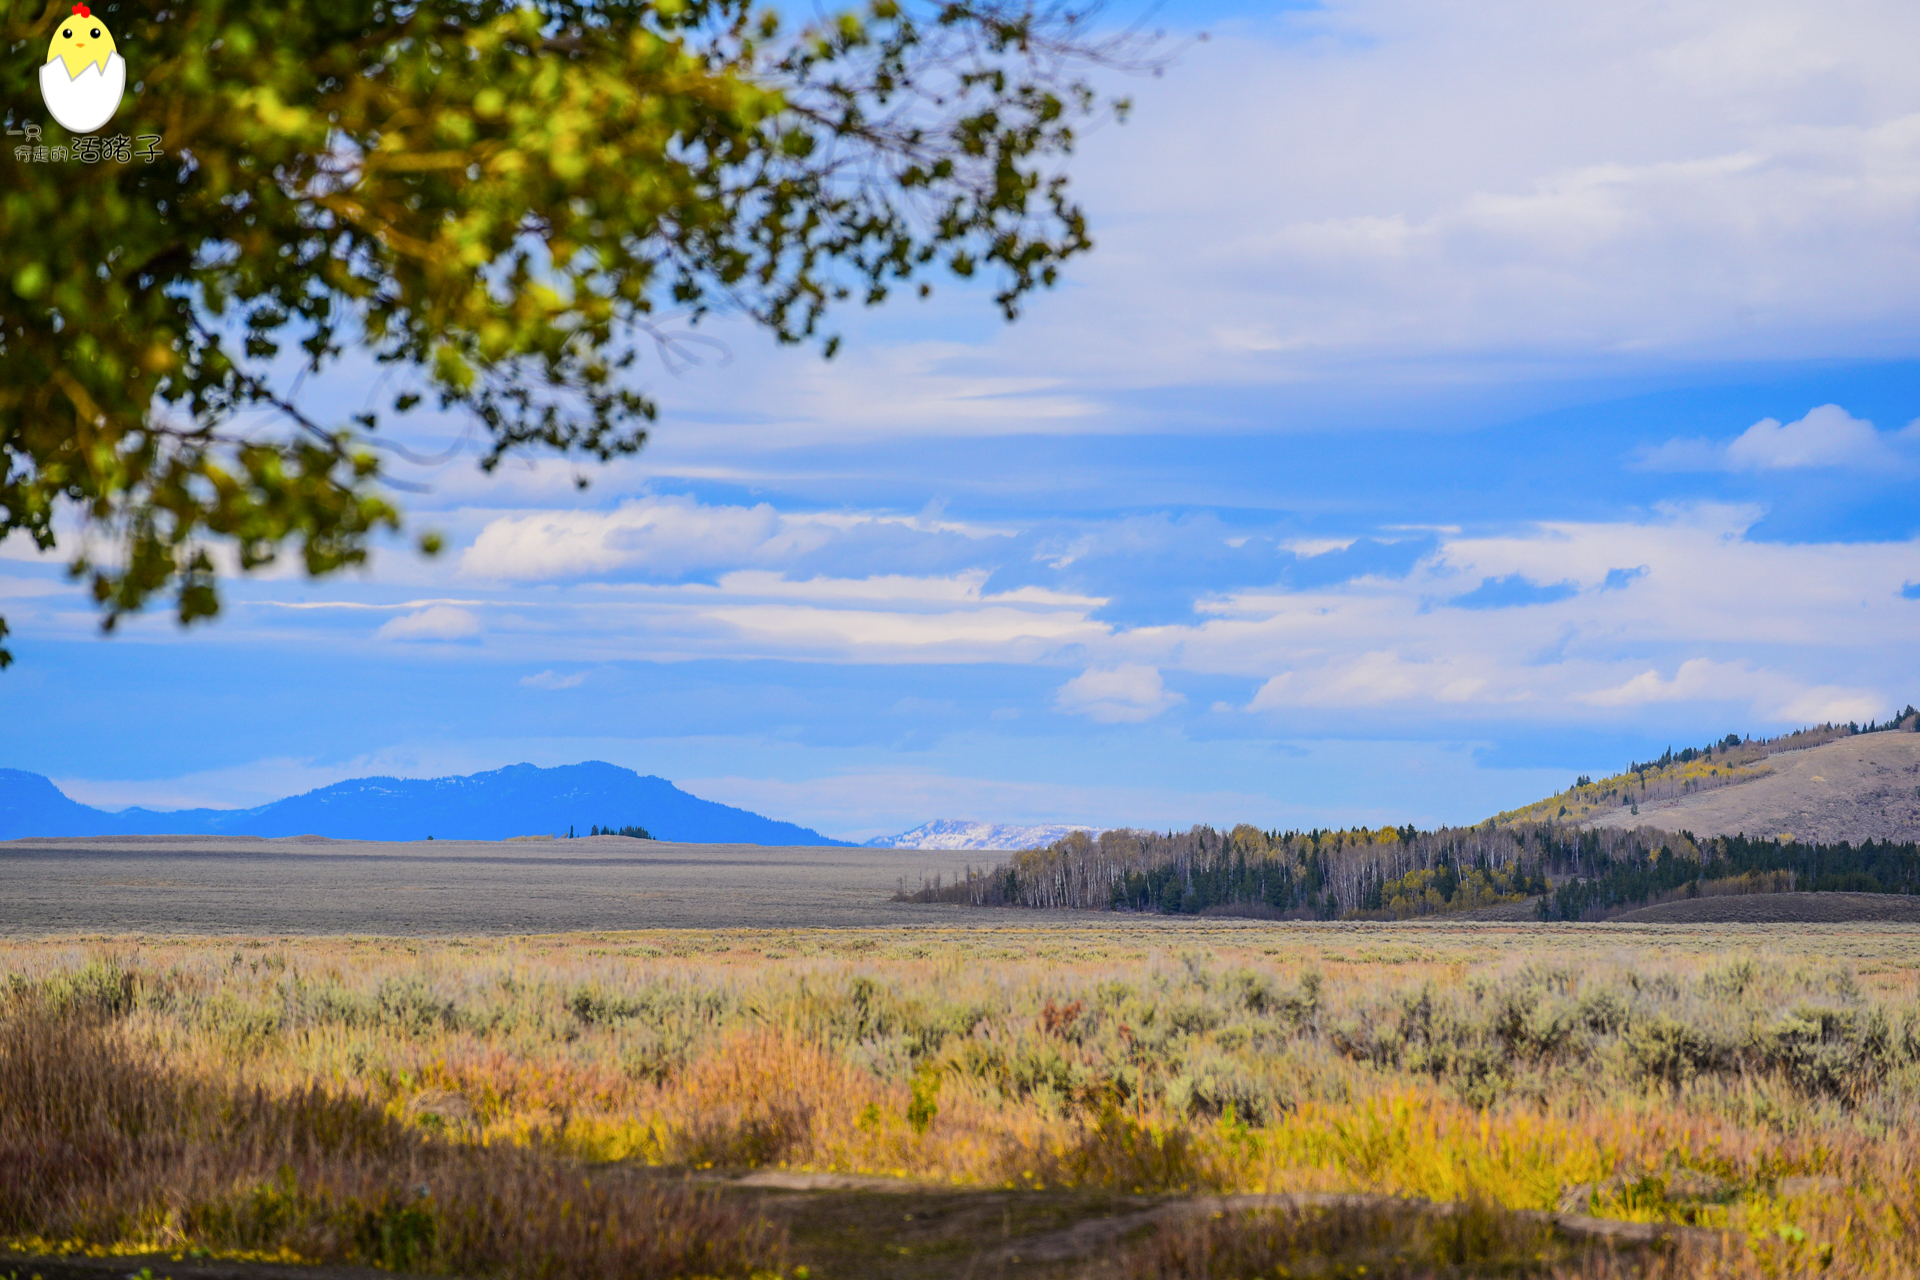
(517,800)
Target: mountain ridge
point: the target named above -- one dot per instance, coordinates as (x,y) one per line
(520,799)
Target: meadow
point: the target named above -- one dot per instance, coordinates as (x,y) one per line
(1752,1088)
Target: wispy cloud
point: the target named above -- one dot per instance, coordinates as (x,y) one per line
(256,782)
(1375,679)
(673,538)
(436,622)
(551,680)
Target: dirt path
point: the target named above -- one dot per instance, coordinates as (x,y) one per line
(891,1229)
(856,1228)
(1859,788)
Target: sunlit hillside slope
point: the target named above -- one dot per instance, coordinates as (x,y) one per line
(1826,784)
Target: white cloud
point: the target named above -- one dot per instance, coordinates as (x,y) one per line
(1702,680)
(1827,437)
(1124,694)
(1829,703)
(667,536)
(437,622)
(549,680)
(1697,680)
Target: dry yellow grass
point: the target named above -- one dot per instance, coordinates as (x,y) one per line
(1760,1081)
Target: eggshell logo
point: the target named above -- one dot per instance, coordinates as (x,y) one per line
(85,76)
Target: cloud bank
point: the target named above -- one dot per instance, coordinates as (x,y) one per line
(1549,621)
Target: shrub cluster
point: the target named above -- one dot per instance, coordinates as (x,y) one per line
(1541,1024)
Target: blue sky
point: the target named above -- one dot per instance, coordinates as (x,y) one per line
(1460,398)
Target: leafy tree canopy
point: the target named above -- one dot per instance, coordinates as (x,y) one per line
(497,200)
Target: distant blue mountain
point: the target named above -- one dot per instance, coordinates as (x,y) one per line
(518,800)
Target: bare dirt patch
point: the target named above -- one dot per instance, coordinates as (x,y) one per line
(1782,908)
(1865,787)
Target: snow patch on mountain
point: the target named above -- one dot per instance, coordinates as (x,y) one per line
(958,833)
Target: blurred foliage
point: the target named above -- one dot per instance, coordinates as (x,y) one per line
(501,203)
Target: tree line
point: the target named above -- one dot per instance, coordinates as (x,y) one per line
(1318,874)
(1401,872)
(1685,867)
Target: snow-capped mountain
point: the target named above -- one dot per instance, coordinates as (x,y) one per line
(957,833)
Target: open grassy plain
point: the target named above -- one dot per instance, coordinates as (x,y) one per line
(979,1094)
(308,884)
(1781,908)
